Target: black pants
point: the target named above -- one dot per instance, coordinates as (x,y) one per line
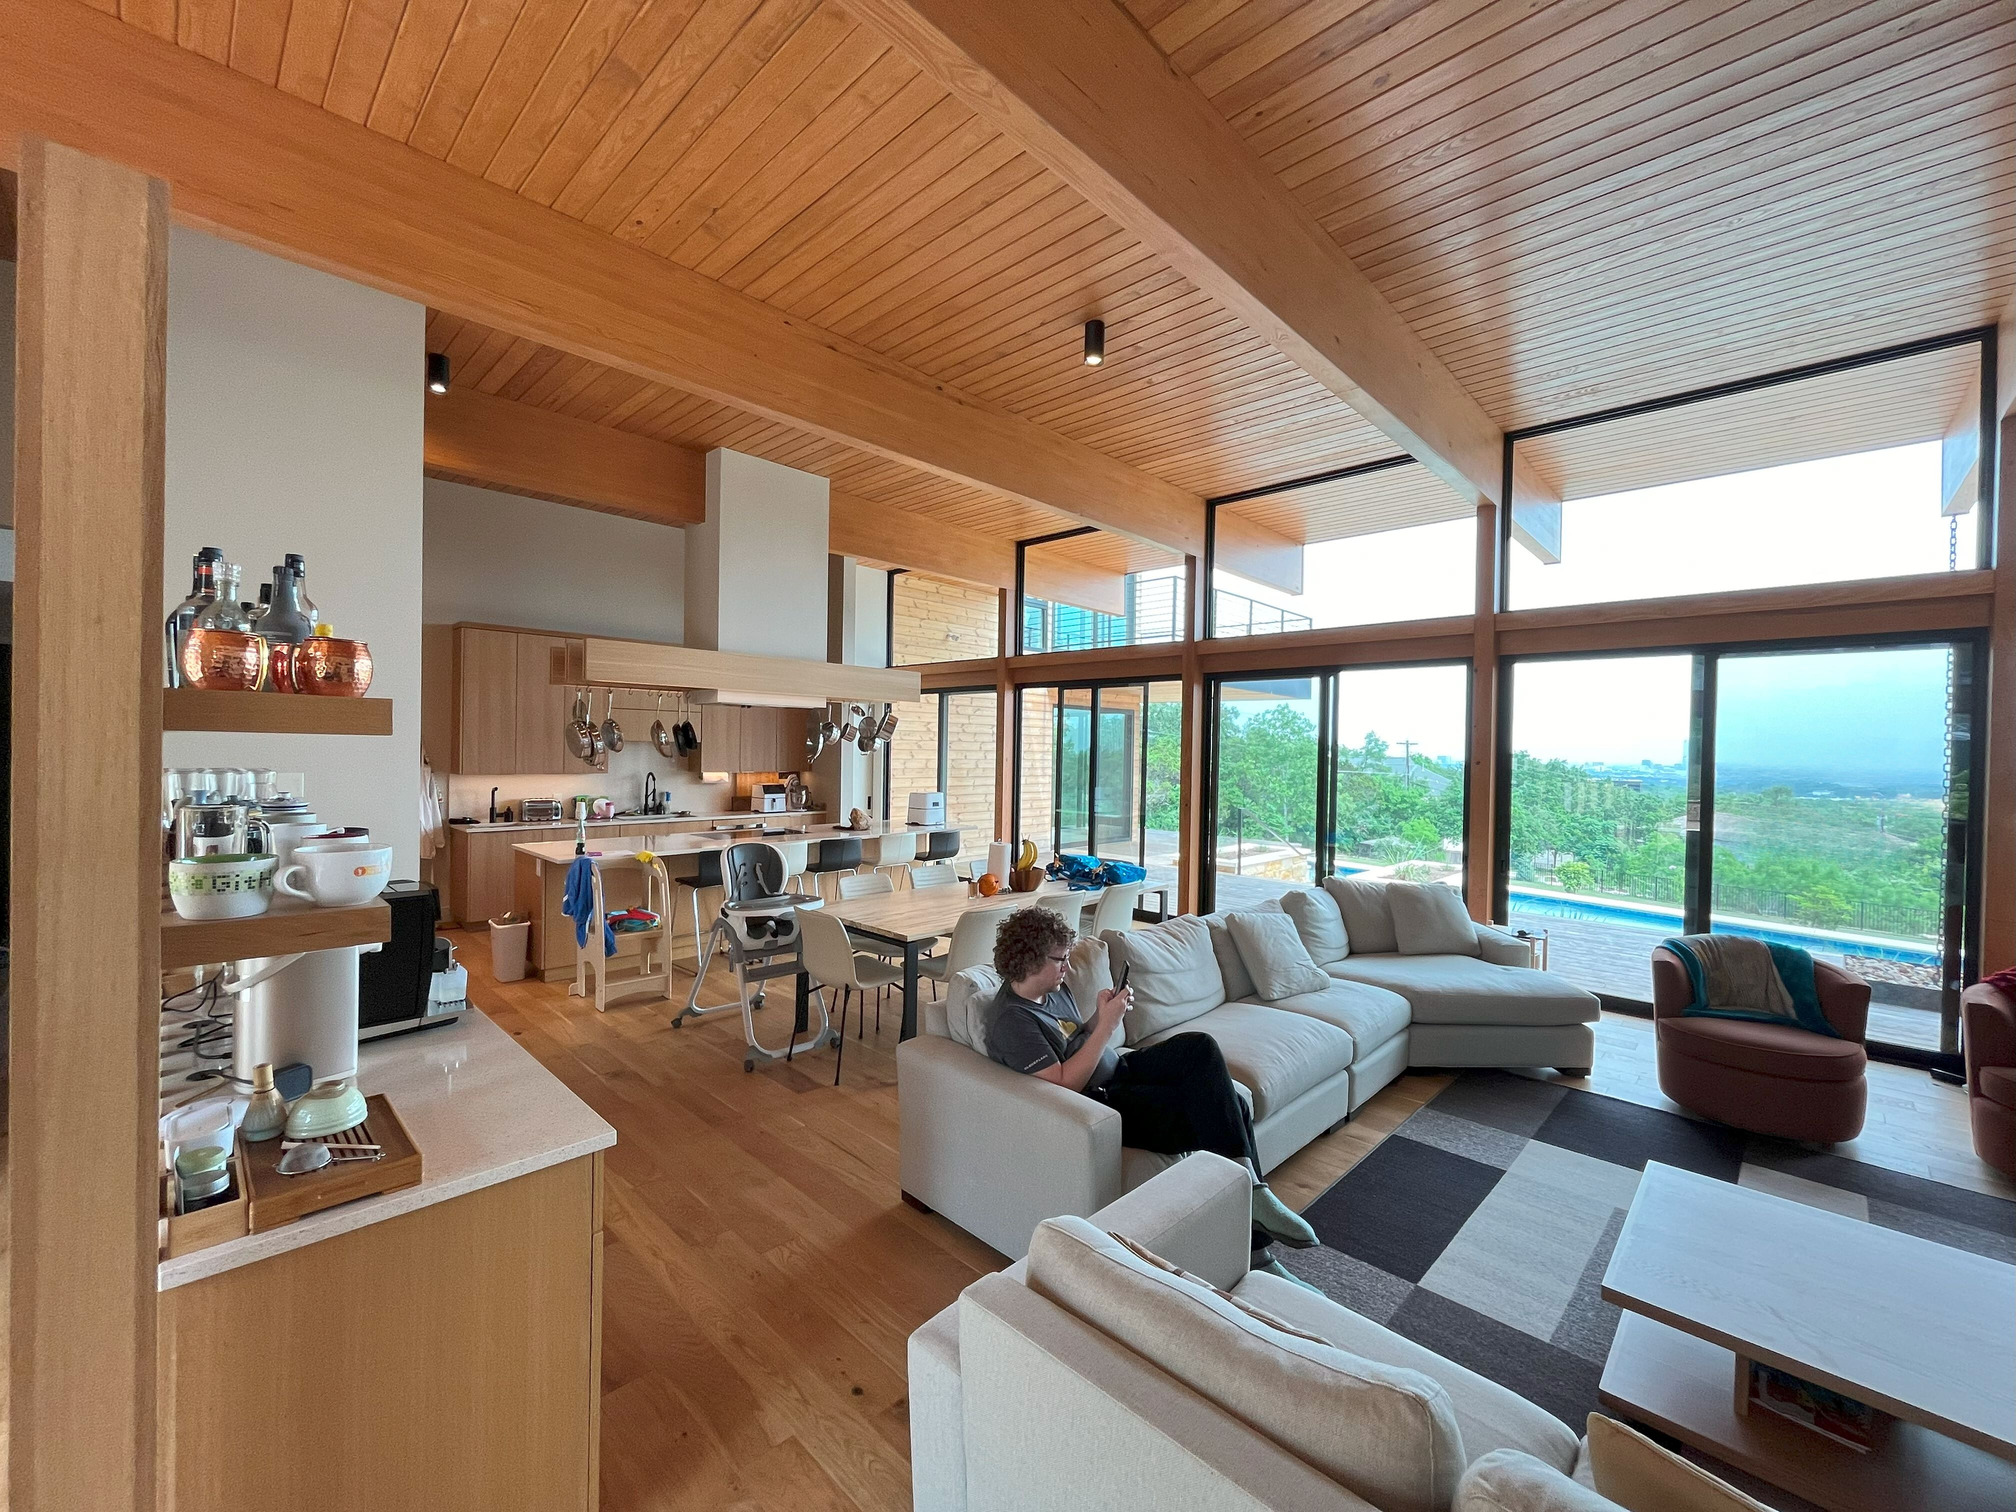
(1177,1096)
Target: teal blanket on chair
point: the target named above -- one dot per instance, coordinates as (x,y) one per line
(1739,978)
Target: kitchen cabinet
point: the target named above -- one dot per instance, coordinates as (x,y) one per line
(480,884)
(736,739)
(486,700)
(545,703)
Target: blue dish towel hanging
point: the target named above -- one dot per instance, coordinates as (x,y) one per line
(578,903)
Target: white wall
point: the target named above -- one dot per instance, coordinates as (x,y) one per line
(504,559)
(295,424)
(756,567)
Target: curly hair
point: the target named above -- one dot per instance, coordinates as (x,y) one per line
(1025,942)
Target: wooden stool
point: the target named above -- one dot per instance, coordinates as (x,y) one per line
(651,947)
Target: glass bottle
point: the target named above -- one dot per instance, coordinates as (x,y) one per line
(298,565)
(224,612)
(202,589)
(288,621)
(265,603)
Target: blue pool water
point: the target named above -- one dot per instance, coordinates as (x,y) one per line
(1651,916)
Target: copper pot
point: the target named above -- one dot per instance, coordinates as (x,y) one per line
(333,668)
(228,661)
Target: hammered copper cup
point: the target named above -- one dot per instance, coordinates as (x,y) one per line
(229,661)
(333,668)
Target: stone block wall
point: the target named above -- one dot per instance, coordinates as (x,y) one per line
(937,620)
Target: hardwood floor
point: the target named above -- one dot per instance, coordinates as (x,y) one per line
(762,1275)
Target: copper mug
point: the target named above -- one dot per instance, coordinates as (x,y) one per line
(230,661)
(333,668)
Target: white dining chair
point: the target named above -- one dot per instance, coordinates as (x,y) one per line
(1115,908)
(831,960)
(935,875)
(867,884)
(972,944)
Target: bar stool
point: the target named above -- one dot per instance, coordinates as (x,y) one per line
(834,856)
(890,854)
(944,846)
(706,876)
(794,853)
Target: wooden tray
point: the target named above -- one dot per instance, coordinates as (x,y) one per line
(278,1199)
(184,1233)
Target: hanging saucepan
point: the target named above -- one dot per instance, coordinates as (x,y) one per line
(661,737)
(612,732)
(584,741)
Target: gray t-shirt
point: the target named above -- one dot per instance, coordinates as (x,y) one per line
(1026,1036)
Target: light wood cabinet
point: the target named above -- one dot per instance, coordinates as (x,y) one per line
(480,872)
(545,703)
(486,701)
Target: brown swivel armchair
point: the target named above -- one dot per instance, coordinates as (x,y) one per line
(1766,1078)
(1988,1034)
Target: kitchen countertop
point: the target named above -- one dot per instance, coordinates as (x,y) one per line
(627,821)
(561,852)
(481,1110)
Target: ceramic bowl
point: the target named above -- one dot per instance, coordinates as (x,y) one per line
(328,1109)
(351,838)
(336,876)
(229,661)
(331,667)
(221,887)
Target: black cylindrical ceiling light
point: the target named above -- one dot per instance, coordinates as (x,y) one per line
(1095,342)
(437,372)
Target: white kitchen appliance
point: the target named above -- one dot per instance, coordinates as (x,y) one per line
(295,1009)
(927,809)
(769,798)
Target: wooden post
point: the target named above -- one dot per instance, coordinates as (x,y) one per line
(1480,873)
(91,365)
(1007,724)
(1191,860)
(1998,858)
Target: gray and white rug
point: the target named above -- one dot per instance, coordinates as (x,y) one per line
(1481,1227)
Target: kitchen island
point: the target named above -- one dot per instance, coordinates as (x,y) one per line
(541,873)
(437,1346)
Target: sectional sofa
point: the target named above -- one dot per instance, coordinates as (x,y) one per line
(1315,1012)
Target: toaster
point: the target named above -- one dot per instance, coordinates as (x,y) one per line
(539,811)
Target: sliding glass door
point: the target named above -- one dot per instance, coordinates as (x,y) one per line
(1098,773)
(1814,797)
(948,743)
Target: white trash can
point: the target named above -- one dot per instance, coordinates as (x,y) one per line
(508,939)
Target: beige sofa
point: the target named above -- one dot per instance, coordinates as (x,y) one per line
(1023,1397)
(997,1152)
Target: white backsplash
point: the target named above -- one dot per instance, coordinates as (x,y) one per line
(469,796)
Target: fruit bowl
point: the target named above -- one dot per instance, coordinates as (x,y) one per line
(1025,879)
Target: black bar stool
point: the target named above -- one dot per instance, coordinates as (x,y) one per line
(944,846)
(707,874)
(834,856)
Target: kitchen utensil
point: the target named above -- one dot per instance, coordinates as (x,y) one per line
(352,837)
(212,828)
(331,667)
(266,1114)
(336,876)
(688,734)
(660,736)
(229,661)
(328,1108)
(221,886)
(302,1159)
(612,732)
(584,738)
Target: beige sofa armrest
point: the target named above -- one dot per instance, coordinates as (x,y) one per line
(1197,1214)
(1501,947)
(998,1152)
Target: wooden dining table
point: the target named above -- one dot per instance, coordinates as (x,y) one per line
(910,919)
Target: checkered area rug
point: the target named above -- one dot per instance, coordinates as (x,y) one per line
(1481,1227)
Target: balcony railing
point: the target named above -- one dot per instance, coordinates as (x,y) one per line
(1236,614)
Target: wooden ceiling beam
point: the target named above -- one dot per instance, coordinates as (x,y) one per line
(477,438)
(257,165)
(1088,93)
(884,533)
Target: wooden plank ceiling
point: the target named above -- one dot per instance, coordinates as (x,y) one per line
(1577,204)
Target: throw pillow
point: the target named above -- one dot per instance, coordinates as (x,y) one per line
(1640,1476)
(1172,971)
(1387,1434)
(1429,919)
(1320,923)
(1368,919)
(1088,975)
(966,1000)
(1231,970)
(1506,1480)
(1275,956)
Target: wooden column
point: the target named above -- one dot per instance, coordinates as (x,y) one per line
(1007,723)
(1481,836)
(1998,860)
(91,360)
(1193,829)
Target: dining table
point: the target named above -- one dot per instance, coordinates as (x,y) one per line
(910,919)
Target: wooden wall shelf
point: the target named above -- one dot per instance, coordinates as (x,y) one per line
(274,713)
(289,925)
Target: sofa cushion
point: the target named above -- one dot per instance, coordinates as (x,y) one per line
(1642,1476)
(1779,1050)
(1430,919)
(1275,1056)
(1232,970)
(966,998)
(1089,974)
(1998,1084)
(1318,922)
(1370,1015)
(1490,1416)
(1453,989)
(1368,917)
(1172,970)
(1275,958)
(1507,1481)
(1387,1434)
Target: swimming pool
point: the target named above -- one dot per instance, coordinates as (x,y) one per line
(1652,916)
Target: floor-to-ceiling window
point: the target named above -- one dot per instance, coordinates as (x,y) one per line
(1084,590)
(1100,773)
(1265,765)
(947,743)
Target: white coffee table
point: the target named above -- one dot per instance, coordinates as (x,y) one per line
(1712,1275)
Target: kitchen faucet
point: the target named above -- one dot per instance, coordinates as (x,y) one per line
(650,792)
(493,805)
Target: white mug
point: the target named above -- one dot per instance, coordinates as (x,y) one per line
(335,875)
